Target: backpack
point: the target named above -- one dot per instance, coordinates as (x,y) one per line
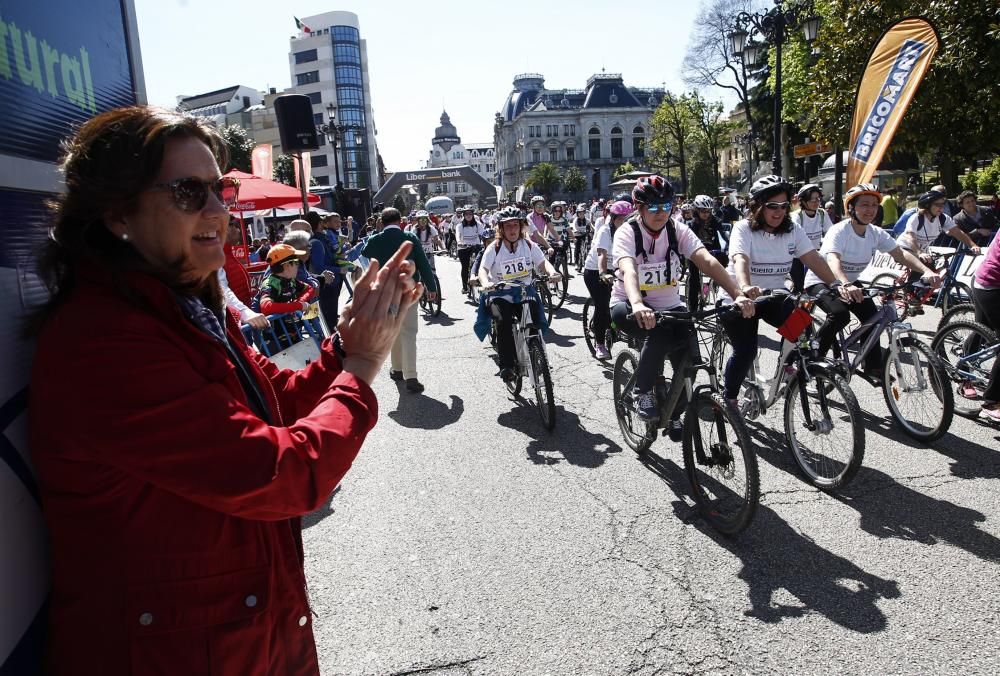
(671,245)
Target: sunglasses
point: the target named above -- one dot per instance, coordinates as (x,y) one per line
(191,194)
(776,205)
(666,207)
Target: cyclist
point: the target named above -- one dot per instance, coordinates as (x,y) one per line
(929,221)
(707,227)
(596,275)
(761,250)
(687,213)
(538,223)
(511,259)
(428,235)
(647,251)
(848,248)
(986,296)
(811,218)
(469,234)
(580,230)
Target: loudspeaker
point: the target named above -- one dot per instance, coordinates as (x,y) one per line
(295,123)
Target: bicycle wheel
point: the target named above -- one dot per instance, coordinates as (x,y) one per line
(890,279)
(435,305)
(543,382)
(424,303)
(962,312)
(588,329)
(721,464)
(546,295)
(917,390)
(969,377)
(635,431)
(958,293)
(830,447)
(561,288)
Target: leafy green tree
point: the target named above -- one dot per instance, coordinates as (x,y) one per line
(672,130)
(544,178)
(712,134)
(284,170)
(988,179)
(704,174)
(574,181)
(240,147)
(625,168)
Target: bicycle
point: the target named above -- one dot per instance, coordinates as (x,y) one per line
(963,312)
(532,361)
(951,292)
(611,336)
(968,351)
(821,415)
(561,289)
(719,460)
(432,307)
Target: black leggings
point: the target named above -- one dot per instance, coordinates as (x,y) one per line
(743,337)
(838,315)
(601,293)
(504,315)
(579,251)
(798,274)
(671,339)
(988,313)
(465,256)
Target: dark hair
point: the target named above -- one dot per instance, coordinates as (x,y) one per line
(965,193)
(107,163)
(757,216)
(313,218)
(390,216)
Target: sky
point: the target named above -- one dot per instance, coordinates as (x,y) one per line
(422,56)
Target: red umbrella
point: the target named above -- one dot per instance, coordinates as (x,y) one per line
(258,193)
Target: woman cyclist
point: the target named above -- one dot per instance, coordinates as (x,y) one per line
(510,259)
(761,251)
(580,228)
(428,235)
(596,275)
(647,251)
(469,233)
(706,226)
(986,296)
(848,248)
(814,221)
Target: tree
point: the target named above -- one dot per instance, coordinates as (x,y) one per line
(284,170)
(704,175)
(672,128)
(625,169)
(240,147)
(574,181)
(544,178)
(953,115)
(712,133)
(399,203)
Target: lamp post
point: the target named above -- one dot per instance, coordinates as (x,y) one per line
(747,138)
(333,133)
(753,32)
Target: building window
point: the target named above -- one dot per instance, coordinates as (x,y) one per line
(307,78)
(345,33)
(348,75)
(306,56)
(318,119)
(350,96)
(319,161)
(315,98)
(616,130)
(616,148)
(321,180)
(531,132)
(639,147)
(437,153)
(536,155)
(553,154)
(595,148)
(594,131)
(346,54)
(538,131)
(570,153)
(639,130)
(596,180)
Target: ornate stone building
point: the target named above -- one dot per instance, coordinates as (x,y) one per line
(447,150)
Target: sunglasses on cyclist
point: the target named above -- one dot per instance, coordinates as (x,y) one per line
(190,194)
(666,207)
(776,205)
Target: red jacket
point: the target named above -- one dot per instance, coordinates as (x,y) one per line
(173,511)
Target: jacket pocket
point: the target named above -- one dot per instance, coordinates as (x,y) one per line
(191,626)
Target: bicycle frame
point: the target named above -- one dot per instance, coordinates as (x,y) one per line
(976,358)
(522,328)
(791,364)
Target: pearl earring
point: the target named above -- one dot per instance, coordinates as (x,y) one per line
(125,237)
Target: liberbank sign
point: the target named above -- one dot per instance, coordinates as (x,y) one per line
(431,176)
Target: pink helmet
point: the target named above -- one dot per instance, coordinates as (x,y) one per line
(621,208)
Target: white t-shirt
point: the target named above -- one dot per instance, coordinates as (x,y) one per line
(815,226)
(855,251)
(469,234)
(926,235)
(580,225)
(603,239)
(512,266)
(770,255)
(654,274)
(426,237)
(559,226)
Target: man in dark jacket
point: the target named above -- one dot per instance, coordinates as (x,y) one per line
(977,222)
(381,247)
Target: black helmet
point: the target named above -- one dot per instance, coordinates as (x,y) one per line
(768,186)
(623,197)
(929,198)
(652,189)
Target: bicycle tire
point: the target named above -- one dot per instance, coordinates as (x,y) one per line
(960,312)
(834,466)
(543,382)
(546,295)
(435,305)
(634,431)
(949,346)
(938,381)
(588,330)
(728,510)
(958,293)
(890,279)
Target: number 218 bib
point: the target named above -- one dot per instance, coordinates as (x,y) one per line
(515,268)
(654,276)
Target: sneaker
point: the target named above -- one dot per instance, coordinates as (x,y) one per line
(645,405)
(675,430)
(414,385)
(990,414)
(968,390)
(602,352)
(396,375)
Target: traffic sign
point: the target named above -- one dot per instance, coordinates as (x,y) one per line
(807,149)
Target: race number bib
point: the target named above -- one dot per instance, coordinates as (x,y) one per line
(654,276)
(515,268)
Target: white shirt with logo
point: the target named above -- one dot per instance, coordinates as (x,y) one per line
(657,275)
(856,251)
(512,266)
(770,255)
(603,239)
(932,227)
(469,234)
(425,236)
(815,226)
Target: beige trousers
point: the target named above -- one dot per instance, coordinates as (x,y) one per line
(404,350)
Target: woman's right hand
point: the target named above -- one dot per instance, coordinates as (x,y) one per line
(367,329)
(644,317)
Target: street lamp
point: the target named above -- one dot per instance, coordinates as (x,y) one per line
(771,27)
(333,133)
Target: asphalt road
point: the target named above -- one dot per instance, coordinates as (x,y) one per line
(468,540)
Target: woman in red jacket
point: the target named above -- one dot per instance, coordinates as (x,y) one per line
(174,462)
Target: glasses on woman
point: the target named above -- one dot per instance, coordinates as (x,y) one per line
(666,207)
(775,206)
(190,194)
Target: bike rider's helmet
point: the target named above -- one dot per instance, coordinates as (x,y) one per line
(859,190)
(807,190)
(509,214)
(536,199)
(580,209)
(767,187)
(929,198)
(560,205)
(423,214)
(620,208)
(622,197)
(468,209)
(652,189)
(704,202)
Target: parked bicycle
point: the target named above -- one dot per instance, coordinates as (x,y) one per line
(719,460)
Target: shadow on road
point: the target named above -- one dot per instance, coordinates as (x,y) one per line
(418,411)
(776,557)
(443,319)
(570,441)
(310,520)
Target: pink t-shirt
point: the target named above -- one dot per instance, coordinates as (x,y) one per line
(655,272)
(537,221)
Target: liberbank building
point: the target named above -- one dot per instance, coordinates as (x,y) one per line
(61,62)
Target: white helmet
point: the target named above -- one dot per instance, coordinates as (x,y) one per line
(704,202)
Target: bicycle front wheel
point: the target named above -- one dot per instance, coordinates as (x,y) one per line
(546,295)
(917,390)
(720,463)
(588,328)
(960,312)
(435,305)
(543,382)
(899,298)
(957,294)
(829,444)
(963,350)
(635,431)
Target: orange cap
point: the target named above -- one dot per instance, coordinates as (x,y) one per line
(280,253)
